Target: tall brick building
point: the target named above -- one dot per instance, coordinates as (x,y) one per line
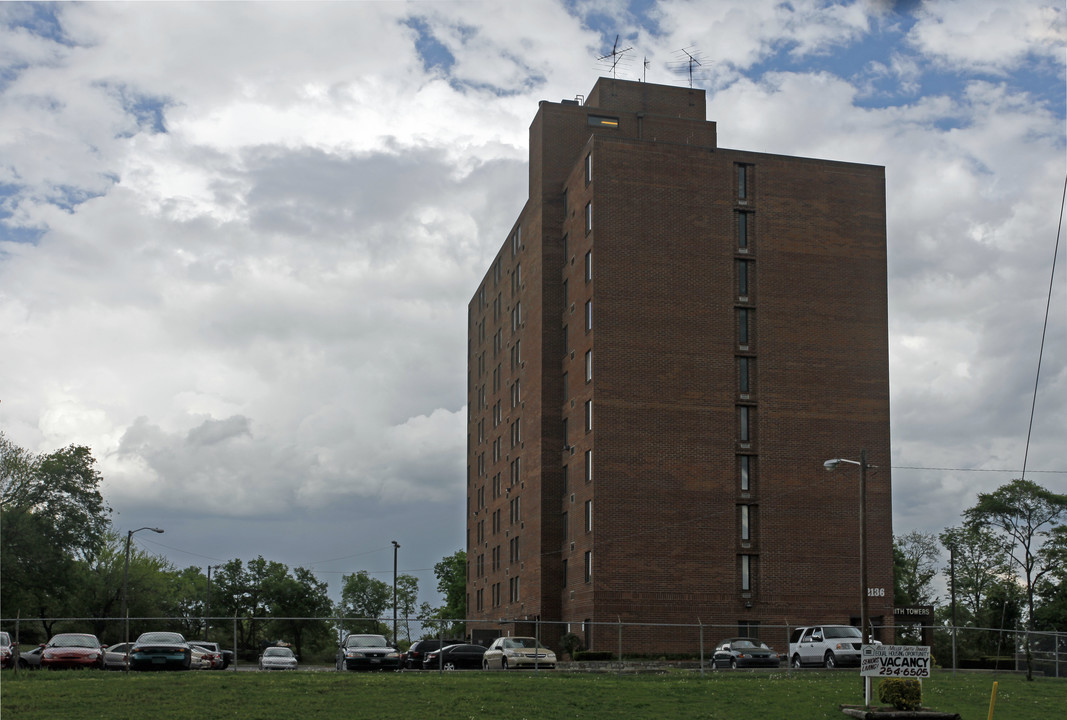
(669,343)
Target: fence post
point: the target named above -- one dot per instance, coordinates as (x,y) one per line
(701,624)
(235,653)
(620,643)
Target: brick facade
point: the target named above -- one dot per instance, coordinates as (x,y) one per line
(673,323)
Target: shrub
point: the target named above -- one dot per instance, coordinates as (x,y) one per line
(571,644)
(594,655)
(901,693)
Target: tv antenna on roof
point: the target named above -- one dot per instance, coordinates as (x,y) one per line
(616,56)
(686,62)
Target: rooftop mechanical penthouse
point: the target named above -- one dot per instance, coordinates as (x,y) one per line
(668,345)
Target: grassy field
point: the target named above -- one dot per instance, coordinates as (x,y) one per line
(515,696)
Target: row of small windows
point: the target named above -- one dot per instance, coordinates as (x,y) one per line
(745,375)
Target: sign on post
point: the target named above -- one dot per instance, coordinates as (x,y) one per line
(895,661)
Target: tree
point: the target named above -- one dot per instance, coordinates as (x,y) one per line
(915,558)
(407,598)
(1051,611)
(1025,513)
(451,575)
(982,560)
(364,600)
(294,598)
(52,516)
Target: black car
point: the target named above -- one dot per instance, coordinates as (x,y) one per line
(745,652)
(367,652)
(455,657)
(419,649)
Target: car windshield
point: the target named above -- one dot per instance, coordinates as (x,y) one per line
(167,638)
(277,652)
(841,632)
(85,641)
(366,641)
(521,642)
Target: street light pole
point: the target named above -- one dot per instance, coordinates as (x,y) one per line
(125,585)
(831,465)
(396,547)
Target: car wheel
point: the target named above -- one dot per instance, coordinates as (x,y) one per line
(796,662)
(830,661)
(503,663)
(733,664)
(449,666)
(485,664)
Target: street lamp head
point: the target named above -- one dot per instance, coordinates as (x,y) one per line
(831,465)
(157,530)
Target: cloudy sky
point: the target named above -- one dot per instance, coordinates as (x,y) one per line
(237,240)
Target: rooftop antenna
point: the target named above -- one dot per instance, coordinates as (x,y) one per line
(644,72)
(616,56)
(686,62)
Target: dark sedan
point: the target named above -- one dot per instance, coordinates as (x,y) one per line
(72,650)
(454,657)
(745,652)
(161,651)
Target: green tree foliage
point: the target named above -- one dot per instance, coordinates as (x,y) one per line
(979,562)
(1051,612)
(1025,513)
(407,598)
(293,597)
(451,574)
(363,602)
(52,517)
(915,559)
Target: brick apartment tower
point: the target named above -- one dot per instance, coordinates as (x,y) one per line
(669,344)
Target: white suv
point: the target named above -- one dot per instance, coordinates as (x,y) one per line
(825,645)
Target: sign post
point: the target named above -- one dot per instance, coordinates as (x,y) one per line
(895,661)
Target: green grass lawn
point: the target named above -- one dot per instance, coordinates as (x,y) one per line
(512,696)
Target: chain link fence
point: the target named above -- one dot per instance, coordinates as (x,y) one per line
(599,644)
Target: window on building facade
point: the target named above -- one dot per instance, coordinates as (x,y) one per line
(588,365)
(744,365)
(516,241)
(743,229)
(588,315)
(746,529)
(564,581)
(588,565)
(746,573)
(743,322)
(744,429)
(603,121)
(743,181)
(588,217)
(742,278)
(588,168)
(566,528)
(589,516)
(516,316)
(746,472)
(588,415)
(589,266)
(588,465)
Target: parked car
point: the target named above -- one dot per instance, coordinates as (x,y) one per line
(455,657)
(31,659)
(202,658)
(417,652)
(517,652)
(72,650)
(825,645)
(226,656)
(115,656)
(161,651)
(745,652)
(367,652)
(277,658)
(8,650)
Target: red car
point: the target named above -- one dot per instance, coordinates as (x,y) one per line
(7,650)
(72,650)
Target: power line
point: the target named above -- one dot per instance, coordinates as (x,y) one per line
(992,470)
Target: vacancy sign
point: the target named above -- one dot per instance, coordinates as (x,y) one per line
(895,661)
